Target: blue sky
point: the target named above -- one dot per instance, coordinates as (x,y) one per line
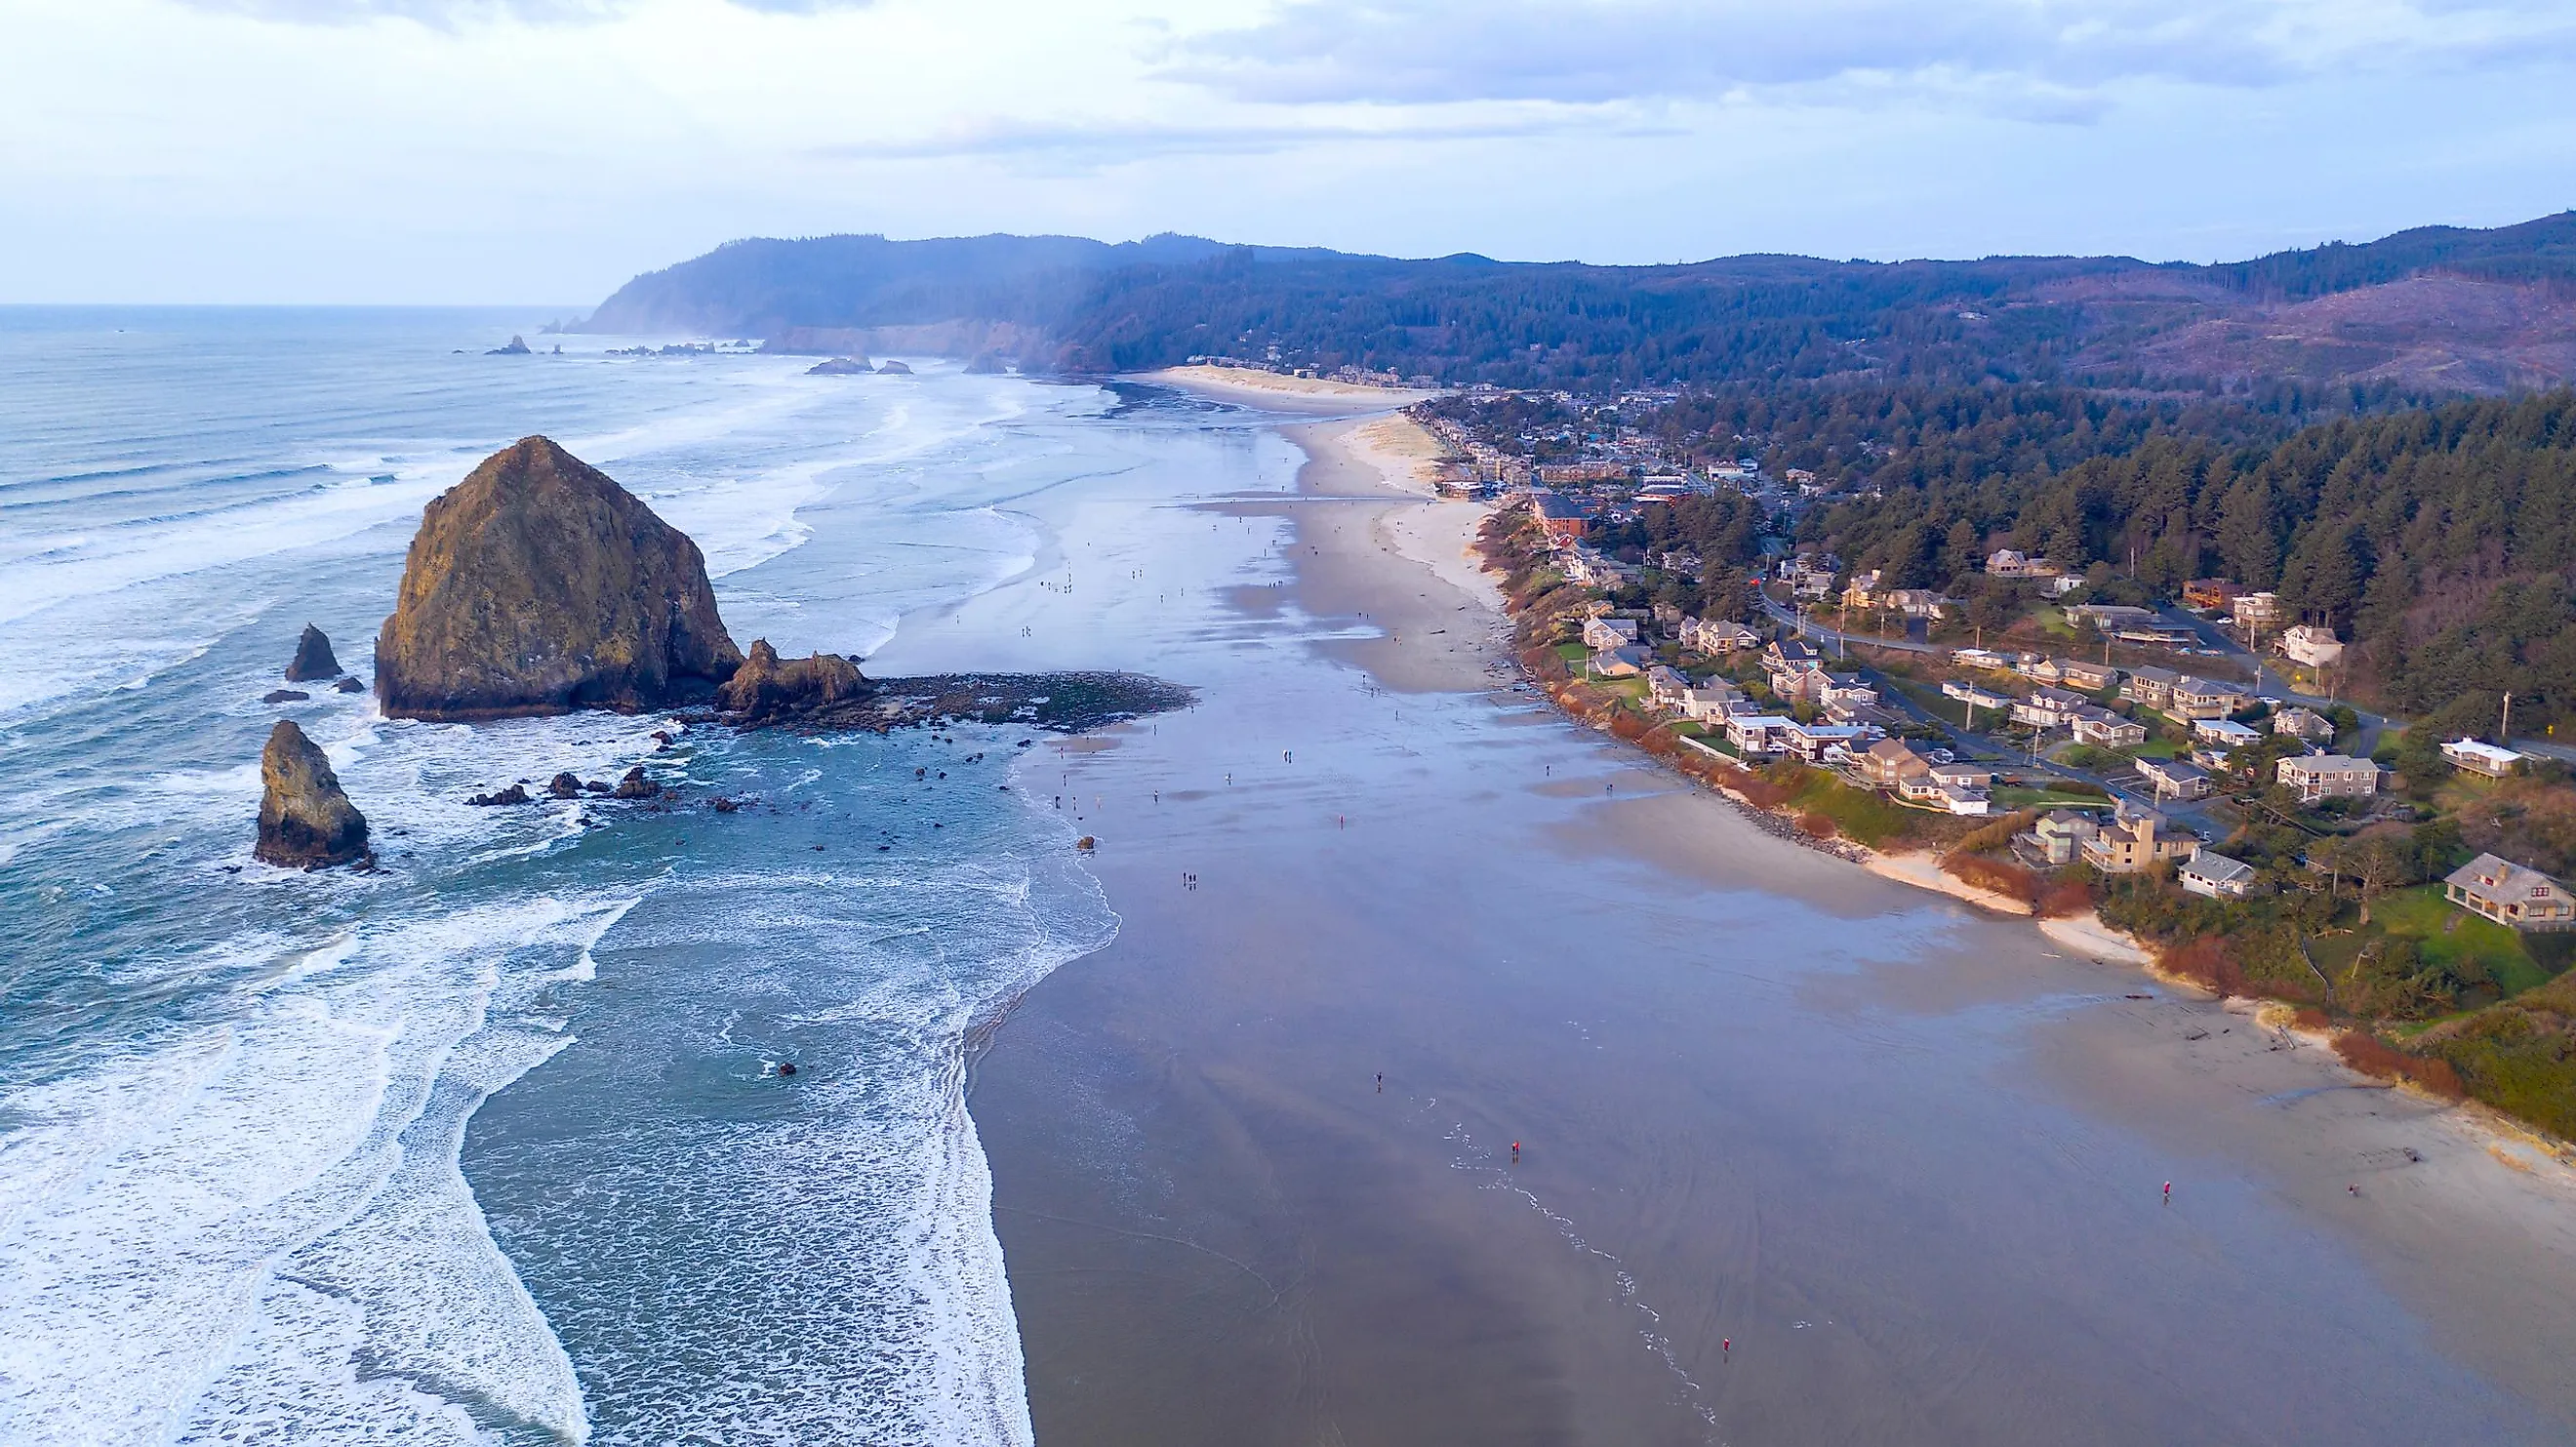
(541,151)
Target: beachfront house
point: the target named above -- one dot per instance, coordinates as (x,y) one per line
(2511,894)
(2151,686)
(1563,521)
(1618,663)
(1599,633)
(2304,724)
(2135,842)
(1818,742)
(1890,762)
(2215,875)
(2175,778)
(1665,687)
(2103,729)
(1713,701)
(2316,647)
(1753,734)
(2198,698)
(2328,776)
(1985,658)
(2480,757)
(2060,835)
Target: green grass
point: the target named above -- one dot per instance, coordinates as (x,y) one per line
(1573,652)
(2156,749)
(2422,915)
(1864,815)
(1936,703)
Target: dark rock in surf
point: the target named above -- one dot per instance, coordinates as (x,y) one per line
(893,369)
(840,367)
(515,794)
(767,689)
(305,821)
(518,348)
(313,660)
(538,585)
(349,685)
(636,786)
(564,786)
(283,695)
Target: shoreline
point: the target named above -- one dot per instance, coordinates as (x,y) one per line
(1278,392)
(1767,1101)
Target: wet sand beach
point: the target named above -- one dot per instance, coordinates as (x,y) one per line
(1808,1155)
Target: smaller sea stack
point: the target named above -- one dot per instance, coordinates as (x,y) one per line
(767,688)
(305,821)
(313,661)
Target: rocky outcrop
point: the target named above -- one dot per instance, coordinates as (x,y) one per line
(349,685)
(313,660)
(518,348)
(636,786)
(305,821)
(767,689)
(284,695)
(515,794)
(986,364)
(538,585)
(840,367)
(894,369)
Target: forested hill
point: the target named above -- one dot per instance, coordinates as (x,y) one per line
(2441,540)
(2436,309)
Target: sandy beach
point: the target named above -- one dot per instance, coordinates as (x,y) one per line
(1280,392)
(1808,1155)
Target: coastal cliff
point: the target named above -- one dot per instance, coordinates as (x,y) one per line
(538,585)
(305,821)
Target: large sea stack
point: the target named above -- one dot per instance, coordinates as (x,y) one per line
(305,822)
(538,585)
(313,660)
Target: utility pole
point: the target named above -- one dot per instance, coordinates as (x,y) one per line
(2504,731)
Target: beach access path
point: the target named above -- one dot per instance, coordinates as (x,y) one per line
(1809,1155)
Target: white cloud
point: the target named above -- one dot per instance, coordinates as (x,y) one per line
(458,14)
(2011,54)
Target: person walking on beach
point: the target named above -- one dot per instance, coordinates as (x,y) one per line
(1381,1082)
(2168,1193)
(1516,1152)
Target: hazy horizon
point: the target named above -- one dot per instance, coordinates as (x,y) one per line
(453,152)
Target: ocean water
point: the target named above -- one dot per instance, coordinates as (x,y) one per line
(490,1146)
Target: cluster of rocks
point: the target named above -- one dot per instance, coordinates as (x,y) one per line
(568,785)
(539,586)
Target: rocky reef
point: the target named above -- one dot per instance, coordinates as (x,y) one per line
(1064,702)
(305,821)
(538,585)
(840,367)
(767,689)
(313,660)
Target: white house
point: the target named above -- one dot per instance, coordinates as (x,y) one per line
(1713,701)
(1756,733)
(2479,757)
(2313,646)
(2215,875)
(2329,776)
(2224,732)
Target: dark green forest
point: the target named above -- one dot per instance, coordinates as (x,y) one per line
(2439,539)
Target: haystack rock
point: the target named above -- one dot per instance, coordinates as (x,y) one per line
(538,585)
(313,660)
(766,688)
(305,822)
